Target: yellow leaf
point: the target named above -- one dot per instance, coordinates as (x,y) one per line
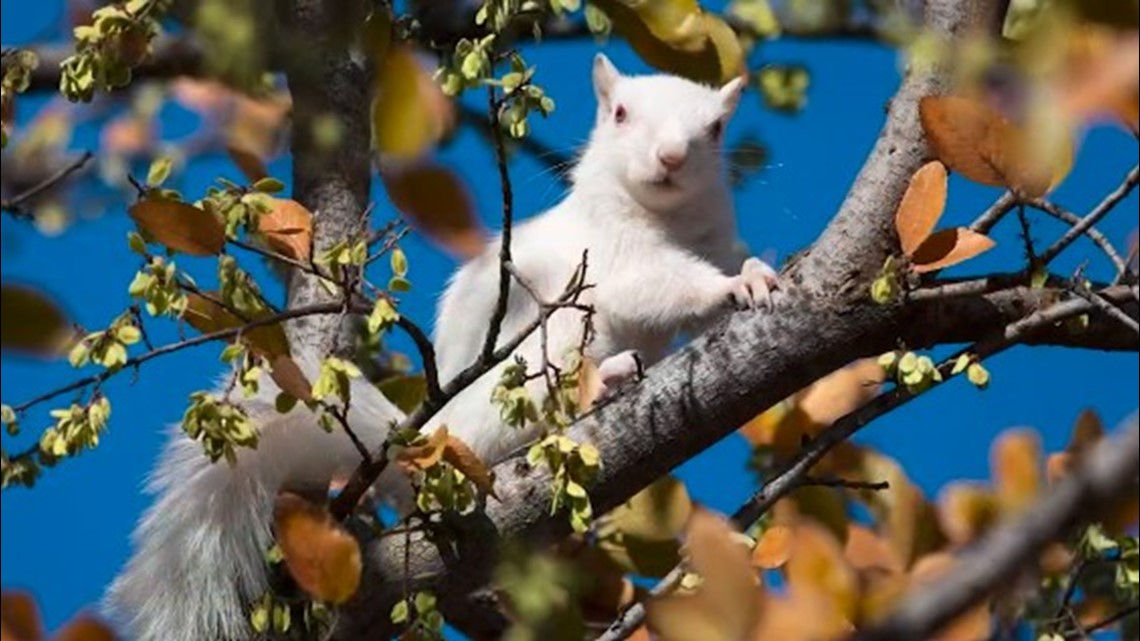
(817,567)
(421,457)
(866,550)
(433,199)
(84,628)
(463,459)
(949,247)
(1015,461)
(288,228)
(30,322)
(657,513)
(321,555)
(773,548)
(206,315)
(19,617)
(726,604)
(921,206)
(410,112)
(250,164)
(966,510)
(974,624)
(180,226)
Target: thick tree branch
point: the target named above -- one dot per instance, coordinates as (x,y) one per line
(1107,475)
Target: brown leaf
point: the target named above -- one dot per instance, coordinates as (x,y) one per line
(866,550)
(421,457)
(773,548)
(19,617)
(129,135)
(966,510)
(949,247)
(921,206)
(463,459)
(321,555)
(84,628)
(725,605)
(433,199)
(589,384)
(975,140)
(250,164)
(288,375)
(817,567)
(30,322)
(206,315)
(1087,432)
(256,125)
(1101,78)
(1016,466)
(975,624)
(179,226)
(288,228)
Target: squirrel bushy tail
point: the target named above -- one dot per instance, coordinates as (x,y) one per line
(199,550)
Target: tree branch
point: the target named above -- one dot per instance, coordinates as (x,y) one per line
(1107,475)
(15,204)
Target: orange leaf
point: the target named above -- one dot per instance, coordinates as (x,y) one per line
(288,375)
(250,164)
(19,617)
(773,548)
(84,628)
(206,315)
(410,112)
(949,247)
(420,457)
(866,550)
(921,206)
(817,567)
(974,624)
(463,459)
(179,226)
(1016,461)
(321,555)
(589,384)
(1087,432)
(30,322)
(432,197)
(288,228)
(128,135)
(966,510)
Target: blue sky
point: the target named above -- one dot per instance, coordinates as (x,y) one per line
(65,539)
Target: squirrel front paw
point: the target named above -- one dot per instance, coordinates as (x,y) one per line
(753,286)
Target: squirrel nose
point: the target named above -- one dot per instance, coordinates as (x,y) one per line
(671,159)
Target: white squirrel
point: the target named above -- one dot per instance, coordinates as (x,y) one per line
(649,204)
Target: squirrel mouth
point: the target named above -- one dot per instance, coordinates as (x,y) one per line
(664,182)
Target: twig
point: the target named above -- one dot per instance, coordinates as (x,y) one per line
(427,355)
(845,484)
(940,290)
(222,334)
(1094,234)
(1093,217)
(1107,621)
(1002,206)
(15,204)
(795,471)
(500,311)
(1112,311)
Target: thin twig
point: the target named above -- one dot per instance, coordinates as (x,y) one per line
(15,204)
(1094,234)
(427,355)
(500,311)
(845,484)
(1105,622)
(1002,206)
(1093,217)
(1110,310)
(941,290)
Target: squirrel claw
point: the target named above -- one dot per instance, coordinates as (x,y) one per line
(754,286)
(619,368)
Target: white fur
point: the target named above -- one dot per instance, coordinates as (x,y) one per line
(662,257)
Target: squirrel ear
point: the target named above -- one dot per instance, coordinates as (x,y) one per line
(606,76)
(730,93)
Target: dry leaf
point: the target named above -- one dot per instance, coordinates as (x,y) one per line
(589,384)
(866,550)
(433,199)
(30,322)
(1015,460)
(250,164)
(817,568)
(288,375)
(410,112)
(206,315)
(463,459)
(321,555)
(179,226)
(657,513)
(84,628)
(949,247)
(773,548)
(975,624)
(288,228)
(421,457)
(921,206)
(966,510)
(19,617)
(128,135)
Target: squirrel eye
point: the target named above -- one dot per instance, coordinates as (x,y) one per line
(716,129)
(619,114)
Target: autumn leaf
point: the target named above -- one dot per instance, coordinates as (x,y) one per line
(410,112)
(422,456)
(250,164)
(949,247)
(320,554)
(773,548)
(206,315)
(288,228)
(867,550)
(407,392)
(84,628)
(974,624)
(1015,460)
(465,460)
(726,603)
(589,384)
(288,375)
(179,226)
(817,567)
(921,206)
(641,535)
(433,199)
(19,617)
(966,510)
(30,322)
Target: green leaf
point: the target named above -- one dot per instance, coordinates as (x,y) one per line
(978,375)
(399,262)
(399,612)
(268,185)
(159,171)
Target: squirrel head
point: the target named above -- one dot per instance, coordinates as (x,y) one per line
(660,135)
